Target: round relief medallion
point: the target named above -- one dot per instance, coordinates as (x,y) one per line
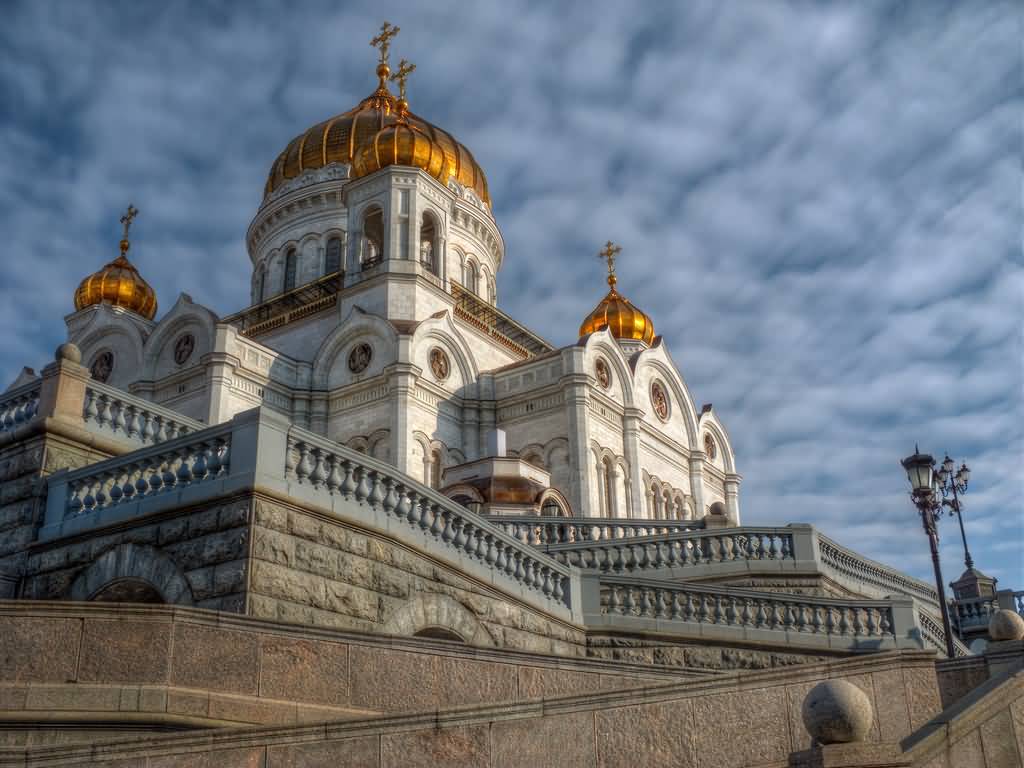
(659,400)
(439,365)
(359,358)
(183,348)
(709,446)
(102,366)
(604,376)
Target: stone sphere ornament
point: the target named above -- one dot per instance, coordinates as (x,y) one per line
(1005,625)
(837,712)
(68,351)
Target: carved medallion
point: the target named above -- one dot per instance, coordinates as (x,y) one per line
(102,366)
(359,358)
(439,365)
(709,446)
(604,376)
(183,348)
(659,400)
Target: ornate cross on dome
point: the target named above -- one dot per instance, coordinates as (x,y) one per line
(608,253)
(383,40)
(126,220)
(405,69)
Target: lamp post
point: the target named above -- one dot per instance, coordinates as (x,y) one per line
(923,487)
(952,485)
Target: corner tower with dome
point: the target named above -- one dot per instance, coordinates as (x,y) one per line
(374,321)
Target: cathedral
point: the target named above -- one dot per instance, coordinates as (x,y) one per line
(374,321)
(372,520)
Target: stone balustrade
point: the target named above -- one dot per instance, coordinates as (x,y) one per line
(174,464)
(679,550)
(973,613)
(544,531)
(18,406)
(845,564)
(934,635)
(116,413)
(335,471)
(725,613)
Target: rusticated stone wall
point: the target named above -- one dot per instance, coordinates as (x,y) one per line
(208,547)
(308,569)
(23,468)
(639,650)
(162,666)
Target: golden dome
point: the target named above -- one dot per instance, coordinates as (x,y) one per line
(615,312)
(401,144)
(339,139)
(118,283)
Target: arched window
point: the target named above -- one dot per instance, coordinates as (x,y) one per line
(332,259)
(492,291)
(471,276)
(608,478)
(290,266)
(551,508)
(429,257)
(372,243)
(434,481)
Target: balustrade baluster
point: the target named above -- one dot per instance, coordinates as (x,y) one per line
(447,533)
(89,410)
(363,488)
(557,591)
(199,466)
(349,485)
(319,473)
(104,417)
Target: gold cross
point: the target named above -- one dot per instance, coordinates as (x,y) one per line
(608,253)
(404,70)
(383,40)
(130,214)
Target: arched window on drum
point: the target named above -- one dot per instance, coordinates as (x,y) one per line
(332,257)
(290,267)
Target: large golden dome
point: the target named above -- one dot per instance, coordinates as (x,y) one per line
(615,312)
(118,283)
(339,139)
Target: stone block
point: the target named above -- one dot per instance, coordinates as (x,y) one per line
(563,740)
(315,558)
(229,577)
(188,703)
(303,526)
(200,581)
(466,747)
(998,743)
(749,727)
(352,600)
(362,751)
(386,680)
(172,531)
(273,546)
(88,698)
(304,670)
(892,713)
(39,650)
(234,515)
(215,659)
(923,701)
(463,682)
(1017,716)
(547,683)
(152,699)
(287,584)
(128,651)
(203,523)
(239,709)
(271,515)
(241,757)
(651,735)
(968,752)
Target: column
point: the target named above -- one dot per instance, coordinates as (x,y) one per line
(402,380)
(631,446)
(581,475)
(732,497)
(697,482)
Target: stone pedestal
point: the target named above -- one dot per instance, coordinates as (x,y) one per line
(62,393)
(856,755)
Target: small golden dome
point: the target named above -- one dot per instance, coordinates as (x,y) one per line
(119,282)
(624,320)
(615,312)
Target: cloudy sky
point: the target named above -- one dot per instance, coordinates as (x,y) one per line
(820,204)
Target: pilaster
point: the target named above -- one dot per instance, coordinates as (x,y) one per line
(631,446)
(697,482)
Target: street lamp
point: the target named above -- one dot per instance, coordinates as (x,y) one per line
(952,485)
(923,489)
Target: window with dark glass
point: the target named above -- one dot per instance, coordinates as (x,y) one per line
(332,260)
(289,270)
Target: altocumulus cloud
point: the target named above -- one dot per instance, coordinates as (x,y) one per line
(819,203)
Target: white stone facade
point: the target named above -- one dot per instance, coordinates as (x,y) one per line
(393,363)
